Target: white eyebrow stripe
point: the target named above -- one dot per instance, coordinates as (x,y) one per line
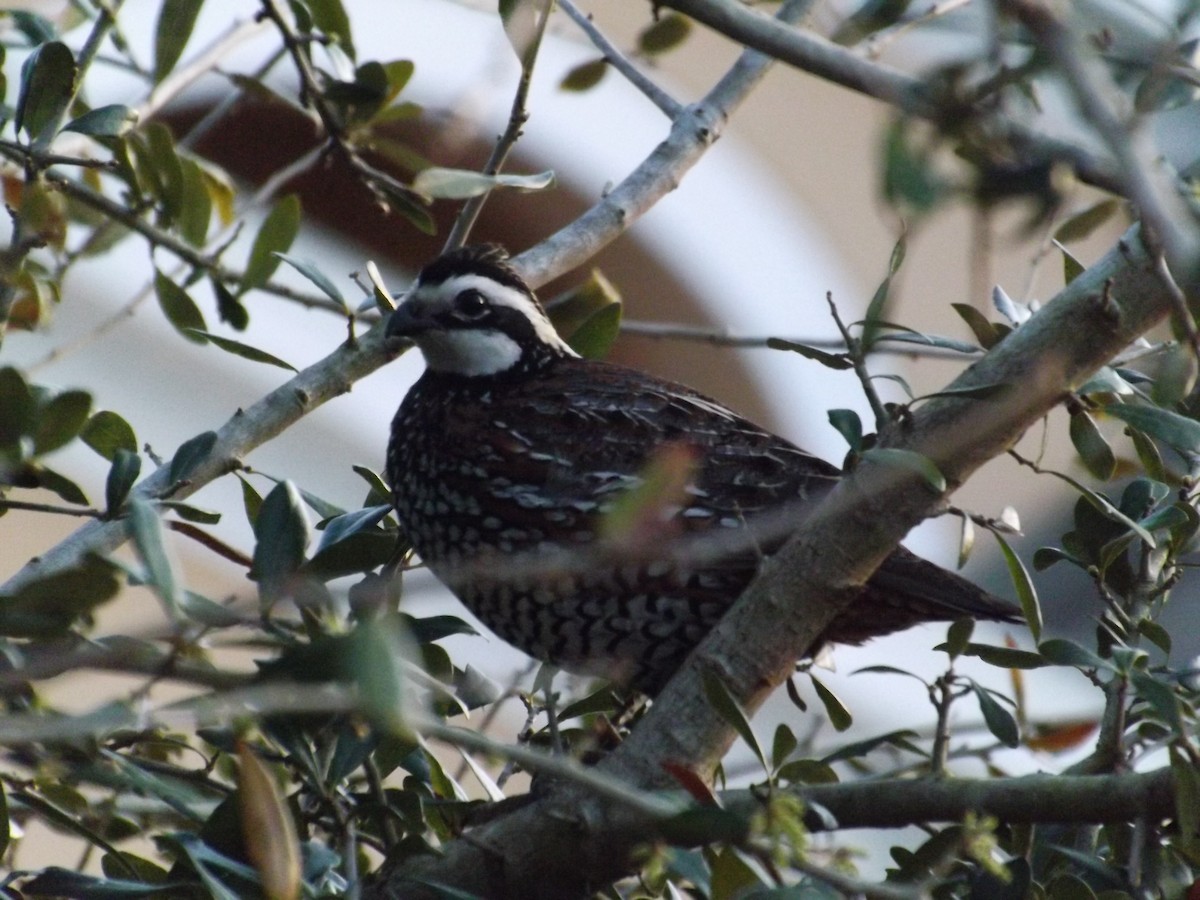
(503,295)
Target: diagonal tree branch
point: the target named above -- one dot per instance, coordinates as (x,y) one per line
(570,843)
(659,174)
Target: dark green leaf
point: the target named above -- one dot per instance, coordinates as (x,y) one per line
(16,407)
(1026,592)
(329,16)
(1174,430)
(909,177)
(999,720)
(341,527)
(902,739)
(175,23)
(60,484)
(179,308)
(195,205)
(877,308)
(378,491)
(106,433)
(54,881)
(1160,695)
(146,871)
(1072,268)
(908,459)
(359,552)
(165,168)
(1090,444)
(832,360)
(1187,797)
(958,636)
(190,513)
(1156,634)
(731,711)
(1005,657)
(50,605)
(584,76)
(245,351)
(191,453)
(666,34)
(126,466)
(1064,652)
(807,771)
(47,81)
(251,500)
(309,270)
(145,528)
(378,664)
(1082,224)
(588,316)
(229,308)
(275,236)
(783,745)
(113,120)
(839,716)
(985,332)
(60,419)
(849,426)
(281,532)
(1045,557)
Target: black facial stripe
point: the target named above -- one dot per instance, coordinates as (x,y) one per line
(504,319)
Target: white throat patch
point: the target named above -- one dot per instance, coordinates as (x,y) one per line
(470,353)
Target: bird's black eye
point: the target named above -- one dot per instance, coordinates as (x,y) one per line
(471,304)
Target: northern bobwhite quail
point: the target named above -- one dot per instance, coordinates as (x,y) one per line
(510,450)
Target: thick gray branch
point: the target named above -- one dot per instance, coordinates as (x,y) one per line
(570,842)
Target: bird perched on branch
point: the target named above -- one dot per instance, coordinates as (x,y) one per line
(594,516)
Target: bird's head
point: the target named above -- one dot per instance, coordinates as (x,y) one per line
(472,315)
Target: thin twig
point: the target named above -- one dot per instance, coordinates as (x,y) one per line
(670,107)
(84,512)
(854,352)
(517,117)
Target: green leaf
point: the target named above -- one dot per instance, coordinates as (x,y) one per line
(878,305)
(666,34)
(1176,376)
(1026,593)
(588,316)
(329,16)
(1082,224)
(275,236)
(731,711)
(16,408)
(195,204)
(49,606)
(60,484)
(145,528)
(165,168)
(908,459)
(985,332)
(909,177)
(191,453)
(60,420)
(176,20)
(839,716)
(245,351)
(179,308)
(461,184)
(309,270)
(902,739)
(1072,268)
(1187,798)
(958,636)
(251,500)
(1174,430)
(106,432)
(190,513)
(341,527)
(1005,657)
(378,665)
(999,720)
(47,82)
(849,426)
(972,392)
(126,466)
(584,76)
(831,360)
(114,120)
(1064,652)
(229,308)
(378,491)
(783,745)
(1090,444)
(281,533)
